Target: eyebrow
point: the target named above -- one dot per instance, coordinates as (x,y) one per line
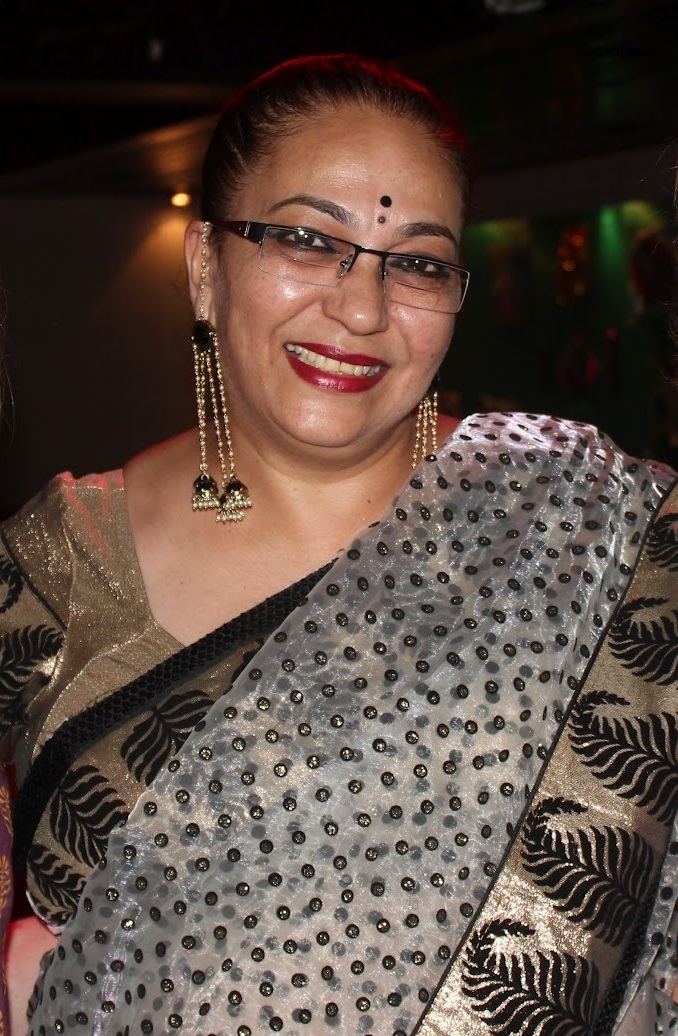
(347,219)
(330,208)
(427,230)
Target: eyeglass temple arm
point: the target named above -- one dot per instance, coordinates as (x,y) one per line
(243,228)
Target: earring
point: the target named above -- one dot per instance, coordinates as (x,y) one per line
(209,382)
(426,435)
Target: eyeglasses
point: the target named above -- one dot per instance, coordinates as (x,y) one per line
(304,255)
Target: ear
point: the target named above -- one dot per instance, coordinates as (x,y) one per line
(193,245)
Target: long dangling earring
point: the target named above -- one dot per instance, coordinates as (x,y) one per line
(426,435)
(234,499)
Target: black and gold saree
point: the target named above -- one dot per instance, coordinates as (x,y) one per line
(431,789)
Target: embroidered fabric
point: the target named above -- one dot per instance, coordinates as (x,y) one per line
(86,728)
(319,847)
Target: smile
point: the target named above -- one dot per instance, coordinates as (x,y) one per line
(332,366)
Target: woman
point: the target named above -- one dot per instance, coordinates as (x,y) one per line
(429,783)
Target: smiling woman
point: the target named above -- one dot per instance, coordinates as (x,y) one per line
(391,746)
(324,179)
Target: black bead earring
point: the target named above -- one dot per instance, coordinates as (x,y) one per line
(234,499)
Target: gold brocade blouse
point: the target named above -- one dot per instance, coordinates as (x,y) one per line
(73,549)
(85,664)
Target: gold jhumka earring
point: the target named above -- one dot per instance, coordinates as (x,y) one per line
(426,435)
(234,499)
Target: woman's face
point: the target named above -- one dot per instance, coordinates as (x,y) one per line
(331,176)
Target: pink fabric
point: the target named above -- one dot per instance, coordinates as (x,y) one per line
(5,889)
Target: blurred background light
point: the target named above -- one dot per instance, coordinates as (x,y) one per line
(181,199)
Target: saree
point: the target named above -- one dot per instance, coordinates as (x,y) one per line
(441,796)
(93,695)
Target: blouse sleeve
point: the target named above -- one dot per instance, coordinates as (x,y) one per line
(34,596)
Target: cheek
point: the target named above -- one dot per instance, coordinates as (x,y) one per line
(266,302)
(254,314)
(427,334)
(288,291)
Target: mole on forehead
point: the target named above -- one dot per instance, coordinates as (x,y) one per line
(386,201)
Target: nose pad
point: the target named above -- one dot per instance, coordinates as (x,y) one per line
(345,265)
(358,303)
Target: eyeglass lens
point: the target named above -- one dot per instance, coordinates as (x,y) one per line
(311,258)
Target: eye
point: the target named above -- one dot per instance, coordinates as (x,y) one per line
(299,239)
(415,267)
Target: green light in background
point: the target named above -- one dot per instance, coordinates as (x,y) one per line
(611,236)
(510,232)
(612,260)
(641,215)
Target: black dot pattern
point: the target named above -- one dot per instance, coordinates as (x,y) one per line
(314,855)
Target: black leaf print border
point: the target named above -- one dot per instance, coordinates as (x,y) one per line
(662,541)
(56,880)
(597,877)
(549,994)
(21,651)
(636,758)
(162,732)
(11,576)
(645,639)
(83,811)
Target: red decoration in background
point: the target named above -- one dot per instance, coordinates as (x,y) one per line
(572,268)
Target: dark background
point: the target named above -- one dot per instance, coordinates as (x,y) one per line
(571,107)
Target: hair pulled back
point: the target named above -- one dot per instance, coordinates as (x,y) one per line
(278,101)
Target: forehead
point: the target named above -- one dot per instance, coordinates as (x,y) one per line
(354,155)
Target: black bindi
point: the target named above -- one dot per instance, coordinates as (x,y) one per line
(385,201)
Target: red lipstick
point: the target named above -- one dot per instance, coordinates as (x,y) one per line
(330,380)
(331,351)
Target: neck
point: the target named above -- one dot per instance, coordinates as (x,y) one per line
(327,494)
(308,486)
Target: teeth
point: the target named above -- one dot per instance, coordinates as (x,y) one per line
(324,363)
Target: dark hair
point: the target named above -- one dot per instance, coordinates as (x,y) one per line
(277,101)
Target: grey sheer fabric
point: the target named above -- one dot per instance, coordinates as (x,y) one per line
(312,858)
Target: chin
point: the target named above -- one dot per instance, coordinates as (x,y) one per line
(324,431)
(325,437)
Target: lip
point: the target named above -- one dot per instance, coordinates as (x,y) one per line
(333,382)
(333,353)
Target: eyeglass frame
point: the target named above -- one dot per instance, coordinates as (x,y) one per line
(251,230)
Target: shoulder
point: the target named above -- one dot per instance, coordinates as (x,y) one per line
(67,515)
(158,484)
(544,439)
(521,431)
(63,503)
(567,469)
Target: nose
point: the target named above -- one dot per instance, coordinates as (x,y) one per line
(357,299)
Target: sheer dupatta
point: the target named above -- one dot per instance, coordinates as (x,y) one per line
(326,840)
